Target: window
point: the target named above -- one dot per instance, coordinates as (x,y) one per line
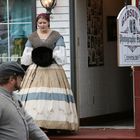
(15,26)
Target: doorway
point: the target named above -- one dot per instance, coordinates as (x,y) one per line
(104,90)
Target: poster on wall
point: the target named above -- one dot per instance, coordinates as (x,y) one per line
(95,32)
(128,32)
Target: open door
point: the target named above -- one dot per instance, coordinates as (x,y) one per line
(104,91)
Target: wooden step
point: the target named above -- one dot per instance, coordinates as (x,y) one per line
(98,134)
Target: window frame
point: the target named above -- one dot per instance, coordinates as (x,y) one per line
(8,23)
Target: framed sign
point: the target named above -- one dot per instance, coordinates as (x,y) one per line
(95,32)
(128,36)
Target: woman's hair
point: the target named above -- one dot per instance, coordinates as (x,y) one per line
(44,16)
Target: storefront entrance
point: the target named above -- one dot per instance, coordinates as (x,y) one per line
(104,90)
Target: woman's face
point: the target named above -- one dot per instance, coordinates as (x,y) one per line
(42,24)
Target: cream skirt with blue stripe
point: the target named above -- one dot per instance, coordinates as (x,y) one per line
(48,98)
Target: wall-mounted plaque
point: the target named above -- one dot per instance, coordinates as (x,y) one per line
(95,32)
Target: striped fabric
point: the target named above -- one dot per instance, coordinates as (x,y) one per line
(48,98)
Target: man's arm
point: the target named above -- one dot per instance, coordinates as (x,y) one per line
(35,132)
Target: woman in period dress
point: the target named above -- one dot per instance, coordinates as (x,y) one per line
(45,91)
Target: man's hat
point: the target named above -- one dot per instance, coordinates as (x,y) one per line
(11,68)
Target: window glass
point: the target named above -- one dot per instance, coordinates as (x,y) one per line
(3,10)
(15,27)
(3,42)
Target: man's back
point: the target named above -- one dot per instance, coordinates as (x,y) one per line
(12,124)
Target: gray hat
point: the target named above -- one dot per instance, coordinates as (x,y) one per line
(11,68)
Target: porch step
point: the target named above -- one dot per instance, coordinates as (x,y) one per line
(98,134)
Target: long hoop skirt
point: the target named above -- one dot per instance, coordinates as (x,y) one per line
(46,95)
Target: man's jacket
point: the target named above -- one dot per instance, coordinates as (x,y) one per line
(15,123)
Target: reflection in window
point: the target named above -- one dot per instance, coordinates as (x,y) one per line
(15,26)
